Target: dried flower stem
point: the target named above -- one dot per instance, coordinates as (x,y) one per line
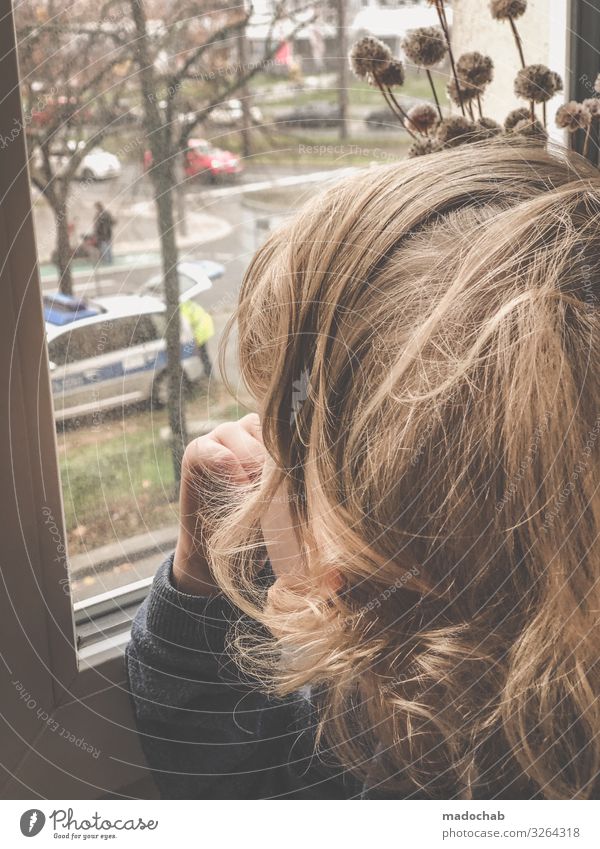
(586,143)
(518,41)
(479,106)
(439,7)
(544,115)
(435,96)
(395,107)
(532,110)
(399,107)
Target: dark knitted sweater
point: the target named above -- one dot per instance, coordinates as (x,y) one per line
(207,733)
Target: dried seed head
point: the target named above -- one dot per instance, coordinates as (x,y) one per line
(467,92)
(487,128)
(513,118)
(392,74)
(531,129)
(422,117)
(537,83)
(456,130)
(368,56)
(592,107)
(475,69)
(597,84)
(572,117)
(503,9)
(422,147)
(558,83)
(425,46)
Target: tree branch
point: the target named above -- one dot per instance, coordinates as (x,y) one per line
(270,52)
(220,36)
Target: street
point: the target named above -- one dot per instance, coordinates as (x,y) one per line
(225,223)
(219,223)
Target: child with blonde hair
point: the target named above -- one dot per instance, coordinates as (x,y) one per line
(386,582)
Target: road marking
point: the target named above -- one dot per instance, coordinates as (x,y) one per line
(280,182)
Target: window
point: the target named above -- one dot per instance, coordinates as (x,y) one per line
(89,498)
(81,343)
(58,349)
(144,331)
(200,147)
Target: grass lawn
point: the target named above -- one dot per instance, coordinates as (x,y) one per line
(359,93)
(118,478)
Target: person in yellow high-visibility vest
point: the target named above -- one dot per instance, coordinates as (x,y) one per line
(203,329)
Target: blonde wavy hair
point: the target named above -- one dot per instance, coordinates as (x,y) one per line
(423,342)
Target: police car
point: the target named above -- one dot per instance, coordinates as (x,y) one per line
(110,352)
(195,277)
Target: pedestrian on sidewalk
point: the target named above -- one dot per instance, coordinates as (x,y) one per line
(203,329)
(103,232)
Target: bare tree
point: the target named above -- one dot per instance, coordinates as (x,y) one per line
(342,60)
(68,64)
(176,47)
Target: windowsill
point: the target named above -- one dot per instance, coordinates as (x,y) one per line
(104,620)
(103,650)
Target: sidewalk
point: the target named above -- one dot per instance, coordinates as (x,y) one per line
(156,543)
(201,226)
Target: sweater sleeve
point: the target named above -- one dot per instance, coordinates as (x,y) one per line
(207,732)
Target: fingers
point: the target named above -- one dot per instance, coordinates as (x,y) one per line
(206,458)
(242,440)
(233,450)
(251,423)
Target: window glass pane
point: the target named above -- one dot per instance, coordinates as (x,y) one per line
(185,283)
(230,137)
(83,343)
(144,331)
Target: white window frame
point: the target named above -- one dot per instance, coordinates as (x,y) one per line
(55,701)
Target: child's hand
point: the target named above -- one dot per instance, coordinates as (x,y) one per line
(233,450)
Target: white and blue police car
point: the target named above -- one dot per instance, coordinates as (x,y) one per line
(110,352)
(195,277)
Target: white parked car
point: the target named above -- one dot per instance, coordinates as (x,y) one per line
(98,164)
(195,277)
(110,352)
(230,114)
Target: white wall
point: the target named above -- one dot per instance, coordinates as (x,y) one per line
(543,30)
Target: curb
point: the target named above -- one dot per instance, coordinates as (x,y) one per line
(218,229)
(124,551)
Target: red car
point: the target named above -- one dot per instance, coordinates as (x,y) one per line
(204,160)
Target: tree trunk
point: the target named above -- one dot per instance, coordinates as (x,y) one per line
(181,195)
(244,96)
(342,68)
(63,248)
(163,180)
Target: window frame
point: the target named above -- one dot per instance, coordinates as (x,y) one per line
(54,697)
(584,62)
